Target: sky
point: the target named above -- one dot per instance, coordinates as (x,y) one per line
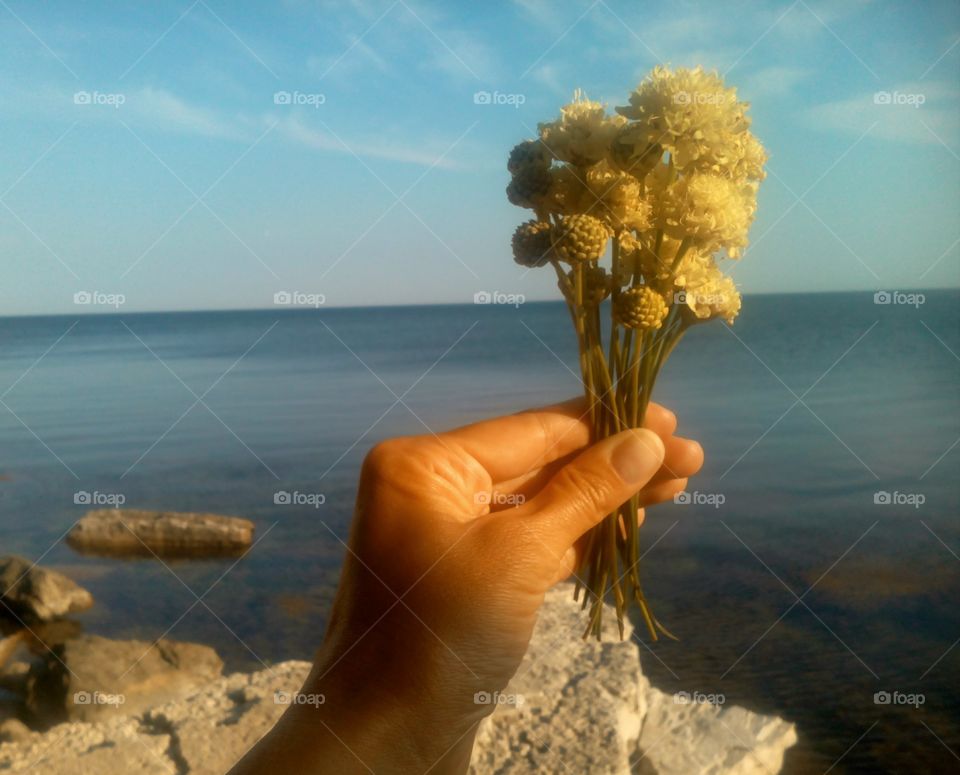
(209,155)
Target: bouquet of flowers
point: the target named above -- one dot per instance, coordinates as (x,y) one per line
(667,187)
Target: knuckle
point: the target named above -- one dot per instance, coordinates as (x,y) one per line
(386,456)
(587,487)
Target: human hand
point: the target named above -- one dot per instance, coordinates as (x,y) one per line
(455,540)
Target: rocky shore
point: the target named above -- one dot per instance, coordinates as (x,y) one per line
(572,707)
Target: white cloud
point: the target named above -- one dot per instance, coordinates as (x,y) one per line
(159,109)
(918,112)
(295,130)
(771,81)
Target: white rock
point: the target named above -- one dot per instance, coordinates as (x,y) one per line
(586,708)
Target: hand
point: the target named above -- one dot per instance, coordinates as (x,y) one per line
(455,540)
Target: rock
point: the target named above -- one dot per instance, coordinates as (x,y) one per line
(684,737)
(90,678)
(9,645)
(14,731)
(13,677)
(585,708)
(37,594)
(120,745)
(573,705)
(133,532)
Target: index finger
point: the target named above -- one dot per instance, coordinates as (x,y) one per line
(516,444)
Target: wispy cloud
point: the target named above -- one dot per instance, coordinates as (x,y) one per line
(309,137)
(772,81)
(917,112)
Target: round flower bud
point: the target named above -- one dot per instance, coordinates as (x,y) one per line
(529,187)
(596,285)
(641,308)
(580,238)
(528,153)
(532,245)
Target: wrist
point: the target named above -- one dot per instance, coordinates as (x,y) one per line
(389,711)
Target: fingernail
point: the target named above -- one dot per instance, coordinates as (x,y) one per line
(634,458)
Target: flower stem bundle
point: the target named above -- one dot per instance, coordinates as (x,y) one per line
(666,188)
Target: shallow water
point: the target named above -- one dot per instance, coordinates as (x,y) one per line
(113,408)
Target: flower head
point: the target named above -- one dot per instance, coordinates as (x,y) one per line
(640,307)
(714,211)
(580,238)
(528,153)
(583,132)
(532,245)
(596,285)
(706,292)
(697,118)
(530,186)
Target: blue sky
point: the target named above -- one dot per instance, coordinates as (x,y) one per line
(182,184)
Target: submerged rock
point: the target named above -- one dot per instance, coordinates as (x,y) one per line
(91,678)
(32,593)
(138,533)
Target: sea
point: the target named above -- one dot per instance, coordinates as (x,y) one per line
(813,572)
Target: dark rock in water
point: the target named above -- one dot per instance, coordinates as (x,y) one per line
(93,678)
(32,593)
(138,533)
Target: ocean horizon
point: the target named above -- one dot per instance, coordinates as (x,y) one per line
(427,305)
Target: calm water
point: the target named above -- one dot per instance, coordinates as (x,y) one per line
(290,408)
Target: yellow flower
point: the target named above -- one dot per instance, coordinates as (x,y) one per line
(530,186)
(641,307)
(706,291)
(582,134)
(596,285)
(714,211)
(532,244)
(580,238)
(614,197)
(527,153)
(698,119)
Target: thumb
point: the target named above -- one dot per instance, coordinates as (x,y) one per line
(595,483)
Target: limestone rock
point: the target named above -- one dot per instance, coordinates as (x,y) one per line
(38,594)
(585,708)
(134,532)
(14,731)
(712,739)
(90,678)
(573,705)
